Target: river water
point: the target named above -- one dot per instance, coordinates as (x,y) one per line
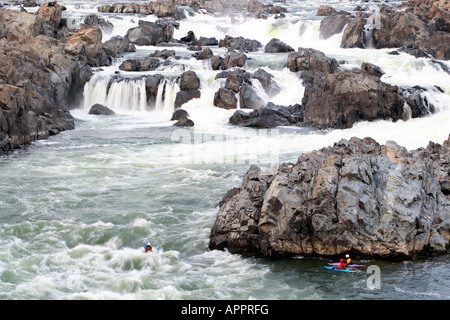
(76,208)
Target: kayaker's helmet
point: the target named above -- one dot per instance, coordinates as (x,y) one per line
(347,256)
(342,260)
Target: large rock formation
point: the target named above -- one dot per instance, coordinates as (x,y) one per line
(240,88)
(336,98)
(161,9)
(422,24)
(149,33)
(359,197)
(43,69)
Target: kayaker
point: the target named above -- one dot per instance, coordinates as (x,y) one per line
(348,260)
(148,248)
(342,265)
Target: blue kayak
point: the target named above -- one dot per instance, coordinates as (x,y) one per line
(336,269)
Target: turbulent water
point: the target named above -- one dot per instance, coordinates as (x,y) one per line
(76,208)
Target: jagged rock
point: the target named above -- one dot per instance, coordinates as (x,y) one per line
(189,88)
(326,10)
(204,54)
(341,99)
(357,196)
(234,59)
(276,45)
(149,33)
(336,98)
(94,21)
(148,63)
(267,81)
(240,44)
(239,87)
(422,24)
(164,54)
(332,25)
(268,116)
(312,60)
(43,71)
(190,37)
(225,98)
(118,45)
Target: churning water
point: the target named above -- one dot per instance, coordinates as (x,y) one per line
(76,208)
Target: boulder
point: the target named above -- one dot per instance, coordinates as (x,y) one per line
(312,60)
(179,114)
(341,99)
(189,84)
(99,109)
(240,44)
(235,59)
(423,24)
(276,46)
(184,121)
(148,63)
(225,98)
(268,116)
(149,33)
(357,196)
(206,53)
(118,45)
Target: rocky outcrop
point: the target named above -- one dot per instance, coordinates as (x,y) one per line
(147,63)
(161,9)
(189,88)
(118,45)
(253,7)
(336,98)
(43,70)
(276,46)
(240,44)
(422,24)
(268,116)
(357,196)
(311,60)
(240,88)
(149,33)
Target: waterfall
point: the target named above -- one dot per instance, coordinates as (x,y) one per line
(373,22)
(165,98)
(120,95)
(407,112)
(129,95)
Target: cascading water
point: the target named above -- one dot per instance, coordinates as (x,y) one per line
(165,98)
(118,94)
(373,22)
(76,207)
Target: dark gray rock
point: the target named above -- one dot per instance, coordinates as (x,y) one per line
(357,196)
(268,116)
(184,122)
(99,109)
(118,45)
(276,46)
